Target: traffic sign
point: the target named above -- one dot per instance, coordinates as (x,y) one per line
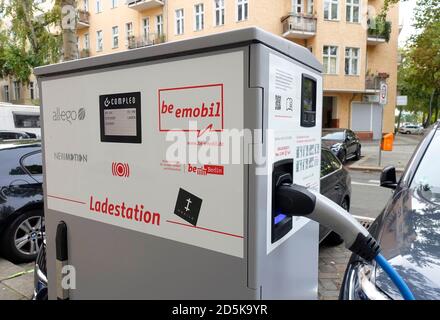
(383,96)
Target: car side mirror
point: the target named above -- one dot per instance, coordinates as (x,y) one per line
(388,178)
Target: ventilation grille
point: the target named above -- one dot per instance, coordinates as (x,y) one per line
(364,221)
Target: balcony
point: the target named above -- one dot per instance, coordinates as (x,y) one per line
(145,41)
(297,26)
(83,19)
(379,31)
(373,81)
(141,5)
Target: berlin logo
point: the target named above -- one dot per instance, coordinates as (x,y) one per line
(69,115)
(120,169)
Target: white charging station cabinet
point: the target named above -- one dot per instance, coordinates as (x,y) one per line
(143,223)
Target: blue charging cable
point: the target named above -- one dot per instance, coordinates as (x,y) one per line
(395,277)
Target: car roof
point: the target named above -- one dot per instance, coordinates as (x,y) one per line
(16,144)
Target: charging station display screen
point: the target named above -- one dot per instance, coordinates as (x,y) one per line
(308,113)
(121,118)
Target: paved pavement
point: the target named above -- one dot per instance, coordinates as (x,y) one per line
(16,281)
(403,149)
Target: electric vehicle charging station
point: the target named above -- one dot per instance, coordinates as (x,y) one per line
(134,222)
(142,227)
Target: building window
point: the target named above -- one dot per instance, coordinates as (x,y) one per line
(159,25)
(331,9)
(330,59)
(86,41)
(297,6)
(32,90)
(86,5)
(199,20)
(219,12)
(352,61)
(115,36)
(6,93)
(310,7)
(352,10)
(98,6)
(180,21)
(129,30)
(146,28)
(17,95)
(242,10)
(113,3)
(99,41)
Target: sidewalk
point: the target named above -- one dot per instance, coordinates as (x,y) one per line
(16,281)
(404,146)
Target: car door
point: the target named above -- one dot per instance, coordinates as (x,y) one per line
(330,184)
(351,143)
(16,185)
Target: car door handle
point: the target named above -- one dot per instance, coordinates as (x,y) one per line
(337,187)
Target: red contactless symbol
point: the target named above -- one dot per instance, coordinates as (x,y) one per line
(120,169)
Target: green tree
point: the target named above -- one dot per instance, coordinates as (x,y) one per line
(29,40)
(419,73)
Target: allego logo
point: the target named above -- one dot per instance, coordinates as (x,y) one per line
(69,115)
(120,169)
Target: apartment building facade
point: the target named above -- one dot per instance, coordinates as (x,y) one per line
(340,33)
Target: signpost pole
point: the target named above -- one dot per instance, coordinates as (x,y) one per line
(383,98)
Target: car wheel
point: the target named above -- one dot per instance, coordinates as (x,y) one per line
(408,132)
(358,154)
(342,156)
(24,237)
(334,239)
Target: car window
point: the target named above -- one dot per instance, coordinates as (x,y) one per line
(335,163)
(339,135)
(426,180)
(327,164)
(33,163)
(10,168)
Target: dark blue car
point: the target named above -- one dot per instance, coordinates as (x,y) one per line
(21,201)
(408,231)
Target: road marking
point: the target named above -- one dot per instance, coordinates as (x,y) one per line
(365,184)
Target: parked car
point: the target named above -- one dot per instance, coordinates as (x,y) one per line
(408,231)
(21,201)
(335,185)
(16,135)
(411,129)
(343,143)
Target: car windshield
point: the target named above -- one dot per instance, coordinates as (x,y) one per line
(338,135)
(427,178)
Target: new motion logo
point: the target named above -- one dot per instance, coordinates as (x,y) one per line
(69,115)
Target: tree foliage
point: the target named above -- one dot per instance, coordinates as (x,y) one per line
(419,73)
(28,39)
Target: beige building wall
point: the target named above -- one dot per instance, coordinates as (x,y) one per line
(266,14)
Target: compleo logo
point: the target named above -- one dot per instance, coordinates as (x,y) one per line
(69,115)
(120,169)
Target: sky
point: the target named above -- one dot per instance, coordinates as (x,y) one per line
(406,20)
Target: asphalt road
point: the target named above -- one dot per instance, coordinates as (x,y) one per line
(368,198)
